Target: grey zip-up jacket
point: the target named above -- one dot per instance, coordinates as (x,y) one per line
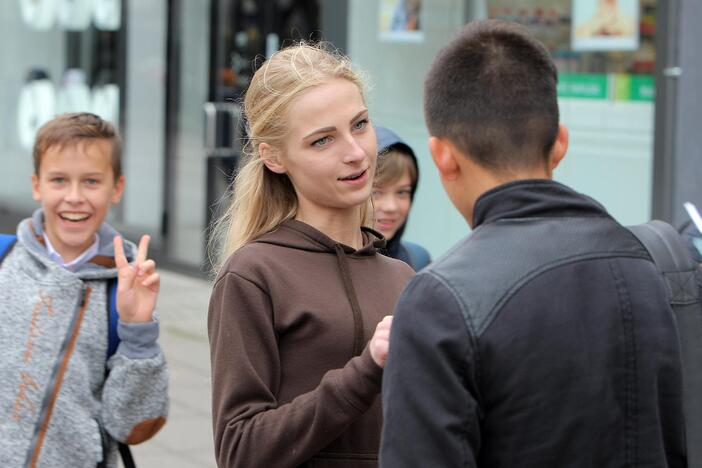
(58,406)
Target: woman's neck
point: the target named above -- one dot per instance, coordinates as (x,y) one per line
(342,226)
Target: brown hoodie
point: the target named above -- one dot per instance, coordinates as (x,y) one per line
(293,380)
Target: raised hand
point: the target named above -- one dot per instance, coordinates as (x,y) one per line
(137,284)
(380,342)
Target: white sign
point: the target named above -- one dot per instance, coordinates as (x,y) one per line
(601,25)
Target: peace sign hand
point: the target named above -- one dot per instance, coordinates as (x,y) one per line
(137,284)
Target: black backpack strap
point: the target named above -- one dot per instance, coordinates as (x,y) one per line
(126,454)
(672,259)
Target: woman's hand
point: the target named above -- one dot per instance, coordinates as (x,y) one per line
(380,342)
(137,284)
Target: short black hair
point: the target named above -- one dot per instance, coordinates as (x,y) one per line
(492,93)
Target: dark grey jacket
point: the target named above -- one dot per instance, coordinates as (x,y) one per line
(544,339)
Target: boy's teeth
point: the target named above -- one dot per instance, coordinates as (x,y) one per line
(74,217)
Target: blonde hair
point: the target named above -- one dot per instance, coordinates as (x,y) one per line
(392,165)
(262,199)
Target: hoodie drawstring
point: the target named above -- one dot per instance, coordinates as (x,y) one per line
(358,338)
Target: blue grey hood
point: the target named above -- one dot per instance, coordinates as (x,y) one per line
(31,230)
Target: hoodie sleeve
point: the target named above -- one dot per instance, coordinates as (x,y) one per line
(250,427)
(135,394)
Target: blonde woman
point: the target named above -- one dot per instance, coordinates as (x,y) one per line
(296,320)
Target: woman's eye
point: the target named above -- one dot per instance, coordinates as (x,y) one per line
(322,141)
(91,181)
(361,124)
(58,180)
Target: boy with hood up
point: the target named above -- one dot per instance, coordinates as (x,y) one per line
(395,182)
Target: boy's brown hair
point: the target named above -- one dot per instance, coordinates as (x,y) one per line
(492,92)
(68,129)
(392,165)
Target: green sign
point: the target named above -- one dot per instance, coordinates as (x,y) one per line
(634,88)
(574,85)
(619,87)
(643,88)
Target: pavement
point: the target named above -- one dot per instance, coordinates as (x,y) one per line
(186,439)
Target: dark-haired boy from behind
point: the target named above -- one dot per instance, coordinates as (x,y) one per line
(64,402)
(545,338)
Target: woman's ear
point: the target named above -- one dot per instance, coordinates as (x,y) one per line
(271,158)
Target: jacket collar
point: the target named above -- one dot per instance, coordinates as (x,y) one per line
(533,198)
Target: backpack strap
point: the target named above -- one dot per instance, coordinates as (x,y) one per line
(112,344)
(7,241)
(679,272)
(112,318)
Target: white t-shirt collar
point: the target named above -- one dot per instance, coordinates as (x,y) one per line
(77,262)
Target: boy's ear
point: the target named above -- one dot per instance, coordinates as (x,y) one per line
(271,158)
(560,147)
(444,156)
(118,190)
(36,194)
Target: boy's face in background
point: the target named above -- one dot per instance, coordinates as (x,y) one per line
(391,205)
(75,186)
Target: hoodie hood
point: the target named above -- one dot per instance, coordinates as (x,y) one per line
(387,140)
(30,233)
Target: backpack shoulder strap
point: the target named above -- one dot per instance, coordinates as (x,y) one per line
(680,274)
(665,246)
(112,318)
(112,343)
(7,241)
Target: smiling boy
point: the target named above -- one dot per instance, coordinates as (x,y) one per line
(64,400)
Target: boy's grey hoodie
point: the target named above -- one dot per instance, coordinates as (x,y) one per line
(53,332)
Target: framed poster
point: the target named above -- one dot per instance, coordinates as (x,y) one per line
(602,25)
(400,21)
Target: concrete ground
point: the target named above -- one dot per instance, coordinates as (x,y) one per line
(186,439)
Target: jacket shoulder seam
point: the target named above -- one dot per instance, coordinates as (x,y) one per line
(518,284)
(465,314)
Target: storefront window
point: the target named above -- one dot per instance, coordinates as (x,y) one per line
(57,57)
(606,92)
(605,53)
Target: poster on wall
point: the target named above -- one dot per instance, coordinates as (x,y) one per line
(400,21)
(602,25)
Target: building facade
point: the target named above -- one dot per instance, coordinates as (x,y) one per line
(170,74)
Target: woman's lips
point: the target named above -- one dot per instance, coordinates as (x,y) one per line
(360,179)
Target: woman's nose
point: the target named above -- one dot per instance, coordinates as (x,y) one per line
(354,151)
